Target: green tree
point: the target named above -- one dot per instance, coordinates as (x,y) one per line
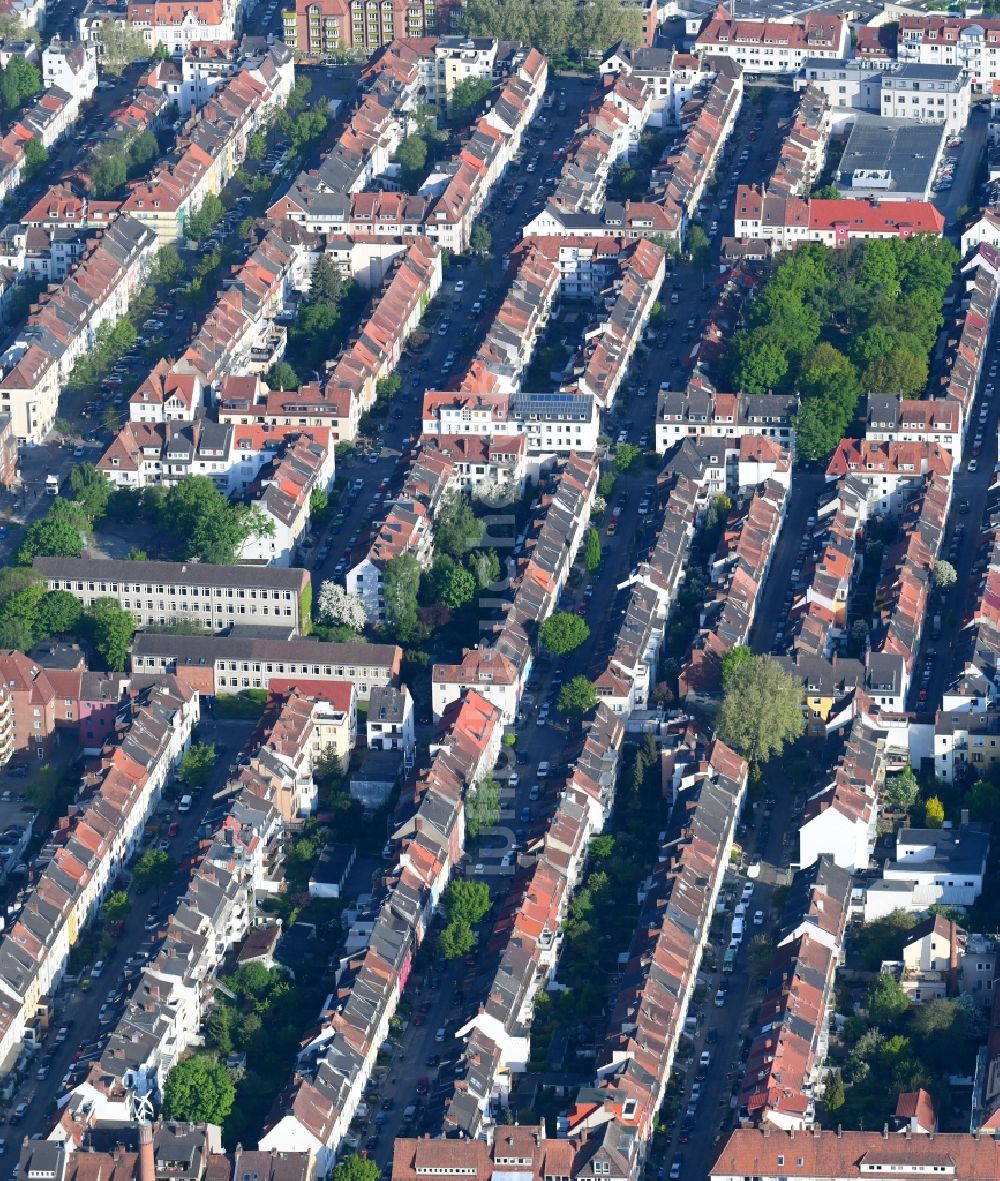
(281,376)
(121,45)
(402,583)
(109,630)
(625,456)
(326,285)
(49,537)
(761,709)
(319,502)
(58,614)
(983,800)
(481,240)
(933,813)
(699,246)
(762,367)
(36,158)
(153,868)
(563,632)
(456,939)
(467,96)
(485,565)
(887,1001)
(827,193)
(734,659)
(457,529)
(356,1168)
(19,615)
(482,806)
(201,224)
(467,901)
(220,1028)
(412,157)
(197,764)
(577,697)
(203,525)
(91,489)
(902,791)
(883,939)
(833,1092)
(142,151)
(116,907)
(108,173)
(20,80)
(592,551)
(945,575)
(897,372)
(257,146)
(198,1090)
(168,266)
(451,584)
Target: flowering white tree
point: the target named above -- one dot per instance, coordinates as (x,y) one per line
(337,606)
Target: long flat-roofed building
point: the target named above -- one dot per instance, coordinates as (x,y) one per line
(155,593)
(255,660)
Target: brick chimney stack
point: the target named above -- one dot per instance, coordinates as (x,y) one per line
(147,1161)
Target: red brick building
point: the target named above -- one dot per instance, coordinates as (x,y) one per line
(318,27)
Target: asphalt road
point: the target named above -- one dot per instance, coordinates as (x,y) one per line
(80,1009)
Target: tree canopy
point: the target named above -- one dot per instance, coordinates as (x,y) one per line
(584,26)
(761,709)
(204,526)
(562,632)
(198,1090)
(577,697)
(831,323)
(109,629)
(457,529)
(356,1168)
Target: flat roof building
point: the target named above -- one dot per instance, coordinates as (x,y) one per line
(890,159)
(157,593)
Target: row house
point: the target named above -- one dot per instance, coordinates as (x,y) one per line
(659,971)
(484,465)
(167,396)
(208,153)
(161,22)
(904,590)
(776,46)
(970,43)
(205,65)
(406,529)
(315,1111)
(803,150)
(610,133)
(977,686)
(891,418)
(350,387)
(164,1016)
(529,925)
(700,411)
(890,472)
(523,1148)
(36,703)
(966,369)
(282,493)
(587,264)
(840,818)
(499,671)
(44,255)
(671,76)
(61,207)
(932,867)
(783,1074)
(626,684)
(63,325)
(837,1155)
(787,221)
(509,342)
(737,571)
(463,187)
(708,119)
(829,683)
(605,358)
(818,615)
(232,663)
(216,597)
(146,455)
(88,849)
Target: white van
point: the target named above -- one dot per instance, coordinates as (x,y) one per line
(737,933)
(185,804)
(543,769)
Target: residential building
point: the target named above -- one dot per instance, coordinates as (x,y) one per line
(166,592)
(320,28)
(890,472)
(892,418)
(942,866)
(700,411)
(231,663)
(778,46)
(941,959)
(968,42)
(389,722)
(838,1155)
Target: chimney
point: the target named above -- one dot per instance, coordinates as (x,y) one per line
(963,818)
(885,1134)
(147,1163)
